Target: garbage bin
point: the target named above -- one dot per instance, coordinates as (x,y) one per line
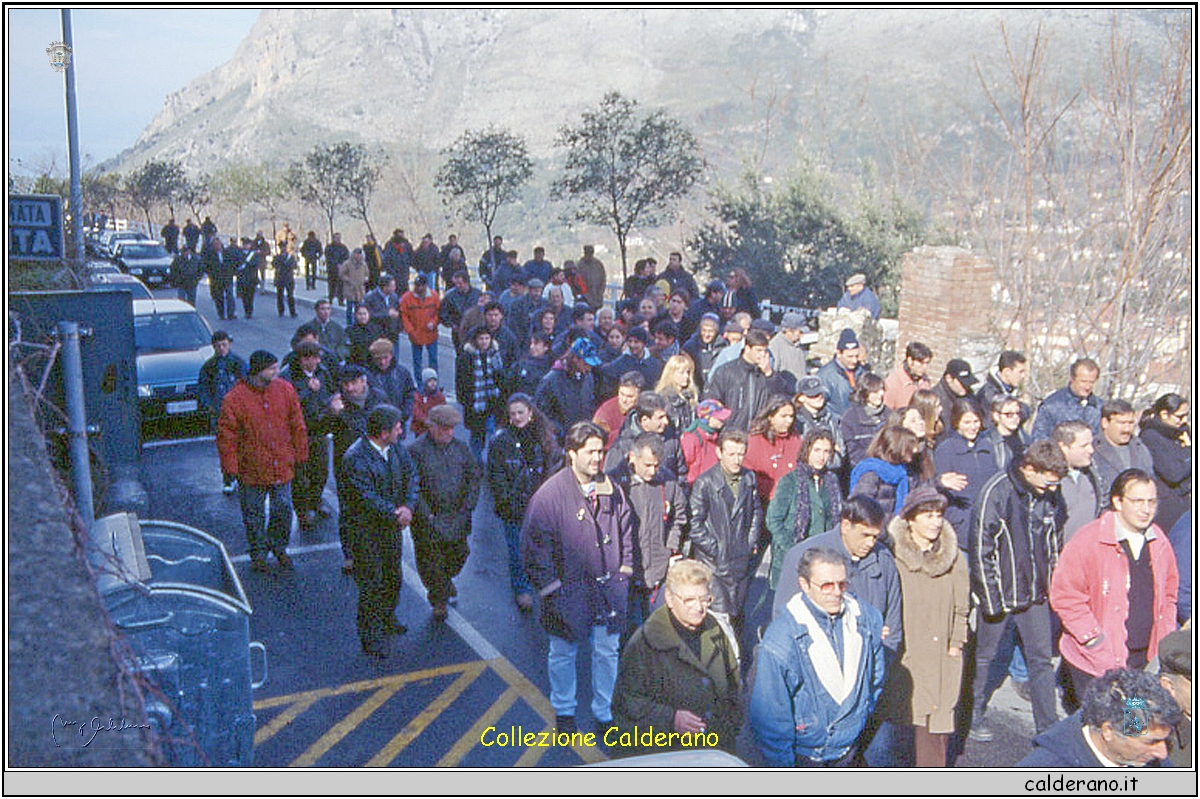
(188,625)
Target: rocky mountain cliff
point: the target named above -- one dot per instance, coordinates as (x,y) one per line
(750,81)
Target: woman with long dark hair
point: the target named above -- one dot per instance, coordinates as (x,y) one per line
(1166,433)
(774,446)
(523,453)
(807,502)
(964,451)
(890,470)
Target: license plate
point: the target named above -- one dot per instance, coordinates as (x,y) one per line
(183,406)
(153,278)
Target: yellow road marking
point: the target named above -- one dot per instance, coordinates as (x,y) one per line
(345,726)
(285,718)
(541,706)
(471,737)
(426,717)
(533,754)
(361,685)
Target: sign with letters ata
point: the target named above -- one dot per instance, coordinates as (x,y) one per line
(35,227)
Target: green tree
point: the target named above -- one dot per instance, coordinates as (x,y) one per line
(483,170)
(362,175)
(195,193)
(238,185)
(624,167)
(337,177)
(798,246)
(152,183)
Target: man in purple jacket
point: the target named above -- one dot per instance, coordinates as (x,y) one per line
(577,546)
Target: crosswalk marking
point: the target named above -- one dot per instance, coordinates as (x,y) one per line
(471,737)
(425,717)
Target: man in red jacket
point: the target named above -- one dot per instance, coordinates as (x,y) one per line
(261,437)
(1116,584)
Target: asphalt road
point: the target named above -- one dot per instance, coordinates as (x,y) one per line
(326,704)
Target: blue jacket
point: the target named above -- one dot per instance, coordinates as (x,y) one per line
(833,377)
(791,713)
(865,299)
(1062,406)
(978,463)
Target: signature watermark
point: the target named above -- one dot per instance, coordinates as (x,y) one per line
(88,730)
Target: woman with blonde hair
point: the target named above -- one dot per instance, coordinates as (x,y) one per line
(930,406)
(677,385)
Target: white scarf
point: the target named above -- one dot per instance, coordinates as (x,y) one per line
(839,681)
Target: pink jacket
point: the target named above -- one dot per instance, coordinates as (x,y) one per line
(1089,592)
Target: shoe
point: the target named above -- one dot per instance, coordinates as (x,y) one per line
(453,598)
(229,488)
(293,314)
(565,724)
(258,565)
(981,731)
(231,316)
(373,649)
(525,602)
(348,566)
(439,611)
(324,511)
(1022,689)
(601,726)
(393,627)
(285,562)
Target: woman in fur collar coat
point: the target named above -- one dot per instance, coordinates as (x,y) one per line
(923,688)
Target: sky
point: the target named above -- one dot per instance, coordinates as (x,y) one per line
(127,62)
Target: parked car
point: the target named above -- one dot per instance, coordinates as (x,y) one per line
(109,239)
(147,260)
(92,268)
(173,341)
(118,280)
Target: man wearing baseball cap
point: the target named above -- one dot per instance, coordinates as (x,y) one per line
(957,383)
(859,296)
(261,438)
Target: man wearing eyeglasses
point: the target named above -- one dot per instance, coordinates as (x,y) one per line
(678,673)
(1116,585)
(1013,546)
(820,670)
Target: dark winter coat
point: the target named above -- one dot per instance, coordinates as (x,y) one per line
(1172,470)
(725,534)
(790,511)
(396,385)
(609,375)
(660,517)
(1062,746)
(837,385)
(1015,539)
(579,562)
(285,270)
(1063,405)
(217,376)
(566,398)
(1108,461)
(524,375)
(314,403)
(372,489)
(659,673)
(449,480)
(978,463)
(859,426)
(517,465)
(703,355)
(742,388)
(831,423)
(351,424)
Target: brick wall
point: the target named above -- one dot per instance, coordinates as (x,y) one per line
(946,303)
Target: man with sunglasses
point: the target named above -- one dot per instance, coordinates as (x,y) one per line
(1013,544)
(679,672)
(820,670)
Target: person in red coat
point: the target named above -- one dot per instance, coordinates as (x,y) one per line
(261,437)
(419,310)
(774,448)
(425,399)
(1115,585)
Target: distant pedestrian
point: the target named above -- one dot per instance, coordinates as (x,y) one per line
(218,375)
(310,251)
(858,296)
(285,279)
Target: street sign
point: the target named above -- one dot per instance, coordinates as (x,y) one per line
(35,227)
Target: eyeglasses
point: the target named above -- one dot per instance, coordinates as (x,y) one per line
(695,601)
(827,588)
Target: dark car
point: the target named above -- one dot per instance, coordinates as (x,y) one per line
(147,260)
(173,341)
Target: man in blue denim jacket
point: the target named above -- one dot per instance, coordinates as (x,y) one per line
(820,670)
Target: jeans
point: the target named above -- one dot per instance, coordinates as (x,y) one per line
(516,569)
(267,535)
(416,360)
(1017,668)
(561,665)
(994,645)
(350,306)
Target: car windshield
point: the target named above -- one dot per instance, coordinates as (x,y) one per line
(170,332)
(143,251)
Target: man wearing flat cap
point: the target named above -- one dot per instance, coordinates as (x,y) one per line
(859,296)
(790,356)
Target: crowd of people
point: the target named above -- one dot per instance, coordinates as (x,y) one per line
(927,538)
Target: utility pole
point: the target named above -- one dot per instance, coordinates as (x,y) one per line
(76,200)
